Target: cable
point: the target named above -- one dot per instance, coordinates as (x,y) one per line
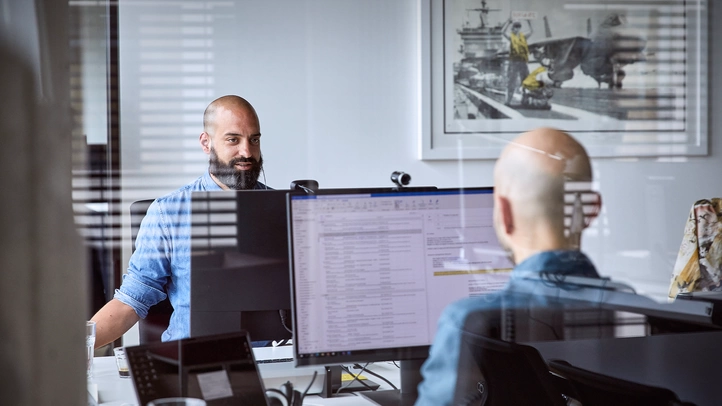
(309,186)
(342,386)
(283,395)
(265,185)
(550,326)
(308,388)
(282,313)
(375,374)
(274,390)
(291,395)
(355,379)
(306,189)
(558,280)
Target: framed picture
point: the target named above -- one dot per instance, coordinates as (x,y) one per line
(627,79)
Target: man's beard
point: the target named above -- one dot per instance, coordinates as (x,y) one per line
(232,177)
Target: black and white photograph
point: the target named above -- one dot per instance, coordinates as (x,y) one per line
(621,77)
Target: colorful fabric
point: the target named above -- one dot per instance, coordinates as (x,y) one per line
(699,261)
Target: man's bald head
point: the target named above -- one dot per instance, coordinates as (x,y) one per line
(530,175)
(230,102)
(547,150)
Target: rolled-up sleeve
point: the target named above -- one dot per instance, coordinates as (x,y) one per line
(149,266)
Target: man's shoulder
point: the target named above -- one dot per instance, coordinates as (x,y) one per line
(183,193)
(460,310)
(202,184)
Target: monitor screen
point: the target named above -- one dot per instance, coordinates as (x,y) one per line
(239,264)
(372,272)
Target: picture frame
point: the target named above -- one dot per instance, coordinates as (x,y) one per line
(625,80)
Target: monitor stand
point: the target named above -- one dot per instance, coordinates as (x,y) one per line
(333,383)
(410,379)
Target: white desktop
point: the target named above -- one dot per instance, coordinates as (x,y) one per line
(276,365)
(112,390)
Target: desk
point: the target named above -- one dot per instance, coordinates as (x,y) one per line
(116,391)
(112,389)
(688,363)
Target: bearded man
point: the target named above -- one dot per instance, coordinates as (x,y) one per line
(160,265)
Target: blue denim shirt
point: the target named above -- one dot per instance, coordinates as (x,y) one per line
(440,370)
(162,259)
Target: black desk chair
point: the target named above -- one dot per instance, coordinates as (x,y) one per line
(504,373)
(593,389)
(156,322)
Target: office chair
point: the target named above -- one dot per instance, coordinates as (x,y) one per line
(156,322)
(494,372)
(593,389)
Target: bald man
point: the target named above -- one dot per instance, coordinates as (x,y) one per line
(531,178)
(161,262)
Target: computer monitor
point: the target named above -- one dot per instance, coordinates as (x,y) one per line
(239,264)
(372,272)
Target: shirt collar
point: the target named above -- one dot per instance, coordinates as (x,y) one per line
(210,184)
(563,261)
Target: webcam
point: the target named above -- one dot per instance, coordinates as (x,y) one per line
(400,179)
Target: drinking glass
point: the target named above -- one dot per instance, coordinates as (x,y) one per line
(90,346)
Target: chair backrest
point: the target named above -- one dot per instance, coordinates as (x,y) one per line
(156,322)
(593,389)
(495,372)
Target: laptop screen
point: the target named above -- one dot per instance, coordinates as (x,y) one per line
(219,369)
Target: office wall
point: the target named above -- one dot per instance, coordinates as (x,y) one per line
(336,86)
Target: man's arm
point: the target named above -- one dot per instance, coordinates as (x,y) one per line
(531,29)
(112,321)
(504,28)
(440,370)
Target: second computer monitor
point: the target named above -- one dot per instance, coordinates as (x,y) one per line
(372,272)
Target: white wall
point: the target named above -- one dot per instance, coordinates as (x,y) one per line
(336,86)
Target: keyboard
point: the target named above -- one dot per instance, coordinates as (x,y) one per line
(271,361)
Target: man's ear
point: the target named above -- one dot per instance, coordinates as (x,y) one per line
(593,208)
(506,218)
(205,141)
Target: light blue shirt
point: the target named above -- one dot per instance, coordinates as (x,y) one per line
(440,371)
(161,261)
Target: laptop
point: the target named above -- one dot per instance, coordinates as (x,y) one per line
(220,369)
